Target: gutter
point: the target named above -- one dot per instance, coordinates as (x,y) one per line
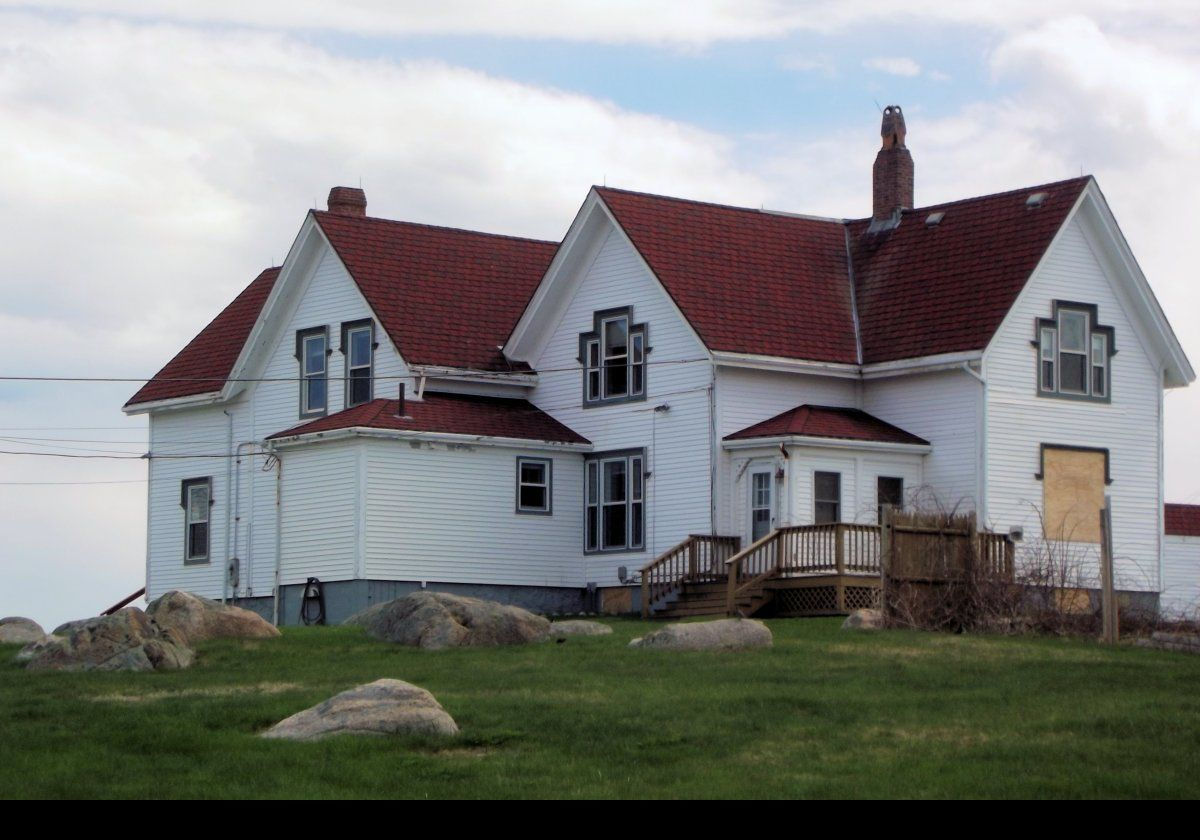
(440,437)
(829,443)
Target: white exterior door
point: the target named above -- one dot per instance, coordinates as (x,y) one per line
(762,503)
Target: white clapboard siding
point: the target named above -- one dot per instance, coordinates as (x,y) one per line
(1181,577)
(678,442)
(1019,421)
(745,397)
(944,409)
(447,513)
(195,432)
(322,508)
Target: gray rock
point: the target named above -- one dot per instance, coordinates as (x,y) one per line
(864,620)
(435,620)
(575,627)
(15,630)
(199,619)
(31,650)
(1185,642)
(128,640)
(384,707)
(722,634)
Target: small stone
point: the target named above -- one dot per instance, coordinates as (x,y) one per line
(864,620)
(722,634)
(575,627)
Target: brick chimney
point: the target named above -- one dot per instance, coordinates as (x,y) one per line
(347,201)
(893,174)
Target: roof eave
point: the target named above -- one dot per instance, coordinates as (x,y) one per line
(829,443)
(368,432)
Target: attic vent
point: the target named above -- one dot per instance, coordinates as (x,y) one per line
(1035,200)
(933,219)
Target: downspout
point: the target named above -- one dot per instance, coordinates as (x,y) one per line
(981,466)
(237,501)
(278,534)
(228,510)
(713,454)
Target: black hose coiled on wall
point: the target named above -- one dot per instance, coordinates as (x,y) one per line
(312,603)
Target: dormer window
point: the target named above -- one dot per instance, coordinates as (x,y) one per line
(1074,353)
(358,346)
(613,356)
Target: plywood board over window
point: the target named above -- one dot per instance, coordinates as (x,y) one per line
(1073,482)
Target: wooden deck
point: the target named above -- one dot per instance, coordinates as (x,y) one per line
(803,570)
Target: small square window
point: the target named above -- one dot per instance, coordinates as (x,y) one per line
(534,485)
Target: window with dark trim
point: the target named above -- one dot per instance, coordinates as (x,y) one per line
(312,351)
(358,349)
(1074,353)
(827,497)
(889,493)
(535,485)
(195,497)
(614,501)
(613,356)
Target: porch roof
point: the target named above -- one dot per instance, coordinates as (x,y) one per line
(825,421)
(452,414)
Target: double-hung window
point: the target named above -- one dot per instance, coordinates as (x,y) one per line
(358,347)
(615,501)
(534,485)
(613,356)
(196,500)
(1074,352)
(827,497)
(312,351)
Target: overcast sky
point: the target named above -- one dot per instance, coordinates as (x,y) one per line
(152,162)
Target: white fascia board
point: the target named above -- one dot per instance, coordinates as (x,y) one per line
(1118,250)
(828,443)
(174,403)
(520,341)
(521,380)
(843,370)
(411,435)
(921,364)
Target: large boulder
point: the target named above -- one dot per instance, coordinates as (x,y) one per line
(576,627)
(723,634)
(15,630)
(128,640)
(384,707)
(864,620)
(200,619)
(436,620)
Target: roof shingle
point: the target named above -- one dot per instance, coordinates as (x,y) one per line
(825,421)
(458,414)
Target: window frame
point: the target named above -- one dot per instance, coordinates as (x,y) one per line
(819,501)
(594,357)
(185,501)
(349,327)
(634,503)
(548,465)
(303,336)
(878,500)
(1051,328)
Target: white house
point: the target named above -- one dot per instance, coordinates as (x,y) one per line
(401,406)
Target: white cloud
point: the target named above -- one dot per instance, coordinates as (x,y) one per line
(893,66)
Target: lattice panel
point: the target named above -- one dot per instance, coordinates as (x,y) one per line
(862,598)
(808,601)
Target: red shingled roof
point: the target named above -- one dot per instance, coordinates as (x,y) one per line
(824,421)
(213,351)
(1182,520)
(444,296)
(451,414)
(748,281)
(923,290)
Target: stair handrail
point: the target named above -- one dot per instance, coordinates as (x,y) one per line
(679,564)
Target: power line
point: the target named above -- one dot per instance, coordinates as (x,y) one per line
(65,483)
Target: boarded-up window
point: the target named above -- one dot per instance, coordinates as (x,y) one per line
(1073,493)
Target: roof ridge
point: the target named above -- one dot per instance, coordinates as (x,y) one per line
(762,211)
(1003,193)
(321,214)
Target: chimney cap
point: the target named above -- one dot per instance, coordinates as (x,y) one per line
(347,201)
(892,128)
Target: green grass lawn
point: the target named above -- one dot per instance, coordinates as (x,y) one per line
(825,713)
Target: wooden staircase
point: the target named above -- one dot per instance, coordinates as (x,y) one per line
(710,598)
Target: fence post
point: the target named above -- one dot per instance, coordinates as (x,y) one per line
(1108,601)
(732,589)
(646,594)
(839,551)
(885,556)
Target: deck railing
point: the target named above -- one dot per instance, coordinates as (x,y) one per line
(699,557)
(836,549)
